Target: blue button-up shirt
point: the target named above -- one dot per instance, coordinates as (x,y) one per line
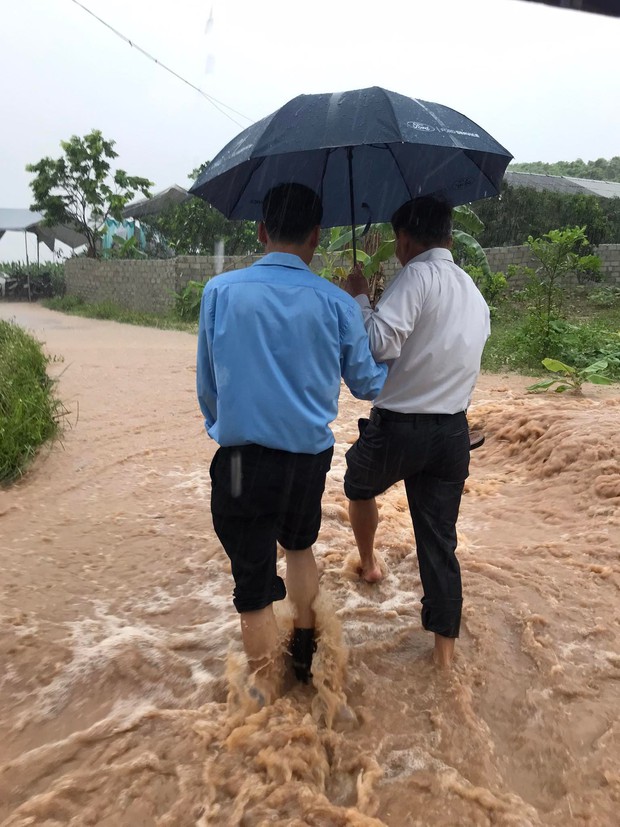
(273,342)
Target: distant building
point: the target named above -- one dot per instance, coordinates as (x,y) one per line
(562,183)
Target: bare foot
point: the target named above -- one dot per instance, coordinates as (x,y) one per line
(443,652)
(372,573)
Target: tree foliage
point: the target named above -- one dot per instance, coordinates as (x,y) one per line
(79,190)
(522,212)
(599,170)
(194,227)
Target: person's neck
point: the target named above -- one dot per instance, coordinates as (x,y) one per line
(300,250)
(417,249)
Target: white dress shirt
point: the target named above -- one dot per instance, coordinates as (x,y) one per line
(430,326)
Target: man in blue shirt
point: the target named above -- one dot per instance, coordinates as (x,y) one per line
(273,344)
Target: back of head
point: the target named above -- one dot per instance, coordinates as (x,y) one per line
(291,212)
(427,220)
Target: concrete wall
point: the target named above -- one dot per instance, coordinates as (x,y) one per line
(501,258)
(145,286)
(149,286)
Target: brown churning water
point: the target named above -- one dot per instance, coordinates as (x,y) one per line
(122,685)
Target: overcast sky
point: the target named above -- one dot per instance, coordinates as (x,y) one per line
(544,82)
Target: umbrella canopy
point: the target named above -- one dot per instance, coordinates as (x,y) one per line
(365,152)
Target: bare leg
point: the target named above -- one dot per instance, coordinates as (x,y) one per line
(302,585)
(444,651)
(259,632)
(364,518)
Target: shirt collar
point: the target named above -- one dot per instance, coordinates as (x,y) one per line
(434,254)
(282,260)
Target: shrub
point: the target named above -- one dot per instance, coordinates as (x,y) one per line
(46,280)
(569,378)
(29,410)
(605,297)
(187,301)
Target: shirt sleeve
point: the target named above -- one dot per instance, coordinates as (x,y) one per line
(362,375)
(205,372)
(391,323)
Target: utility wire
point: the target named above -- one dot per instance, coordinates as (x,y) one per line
(213,101)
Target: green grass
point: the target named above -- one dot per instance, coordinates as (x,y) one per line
(113,312)
(29,411)
(508,348)
(589,333)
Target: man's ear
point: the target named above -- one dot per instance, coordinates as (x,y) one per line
(315,235)
(450,242)
(262,233)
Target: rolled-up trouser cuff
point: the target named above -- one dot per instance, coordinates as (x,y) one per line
(442,618)
(252,602)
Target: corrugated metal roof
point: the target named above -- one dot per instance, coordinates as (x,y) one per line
(157,203)
(562,183)
(33,222)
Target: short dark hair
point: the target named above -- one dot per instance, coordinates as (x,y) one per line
(291,212)
(427,219)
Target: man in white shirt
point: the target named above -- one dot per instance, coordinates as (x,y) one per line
(430,326)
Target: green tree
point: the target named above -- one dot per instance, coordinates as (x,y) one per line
(559,253)
(194,227)
(521,212)
(79,190)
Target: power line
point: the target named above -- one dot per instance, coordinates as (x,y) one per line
(213,101)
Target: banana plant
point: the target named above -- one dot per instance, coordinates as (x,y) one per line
(568,378)
(467,225)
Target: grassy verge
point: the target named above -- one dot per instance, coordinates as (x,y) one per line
(113,312)
(29,410)
(591,332)
(587,333)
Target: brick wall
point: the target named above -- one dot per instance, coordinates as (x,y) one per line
(149,286)
(500,259)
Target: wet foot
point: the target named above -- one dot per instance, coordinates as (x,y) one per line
(372,573)
(443,652)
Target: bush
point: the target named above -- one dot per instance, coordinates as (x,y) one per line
(29,410)
(46,280)
(605,297)
(187,301)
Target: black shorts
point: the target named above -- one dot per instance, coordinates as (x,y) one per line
(392,447)
(261,497)
(430,452)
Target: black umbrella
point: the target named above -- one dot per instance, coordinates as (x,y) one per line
(365,152)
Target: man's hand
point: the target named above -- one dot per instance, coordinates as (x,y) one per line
(357,283)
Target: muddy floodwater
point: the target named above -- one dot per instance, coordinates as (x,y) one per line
(121,677)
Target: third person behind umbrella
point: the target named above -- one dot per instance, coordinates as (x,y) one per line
(430,326)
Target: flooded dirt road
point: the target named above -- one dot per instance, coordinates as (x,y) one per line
(120,669)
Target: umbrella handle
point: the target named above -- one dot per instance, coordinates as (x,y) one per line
(352,202)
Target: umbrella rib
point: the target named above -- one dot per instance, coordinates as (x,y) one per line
(391,151)
(327,157)
(491,184)
(244,187)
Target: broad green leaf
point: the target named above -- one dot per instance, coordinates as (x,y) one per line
(542,385)
(466,219)
(469,242)
(385,251)
(597,379)
(595,367)
(339,241)
(558,367)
